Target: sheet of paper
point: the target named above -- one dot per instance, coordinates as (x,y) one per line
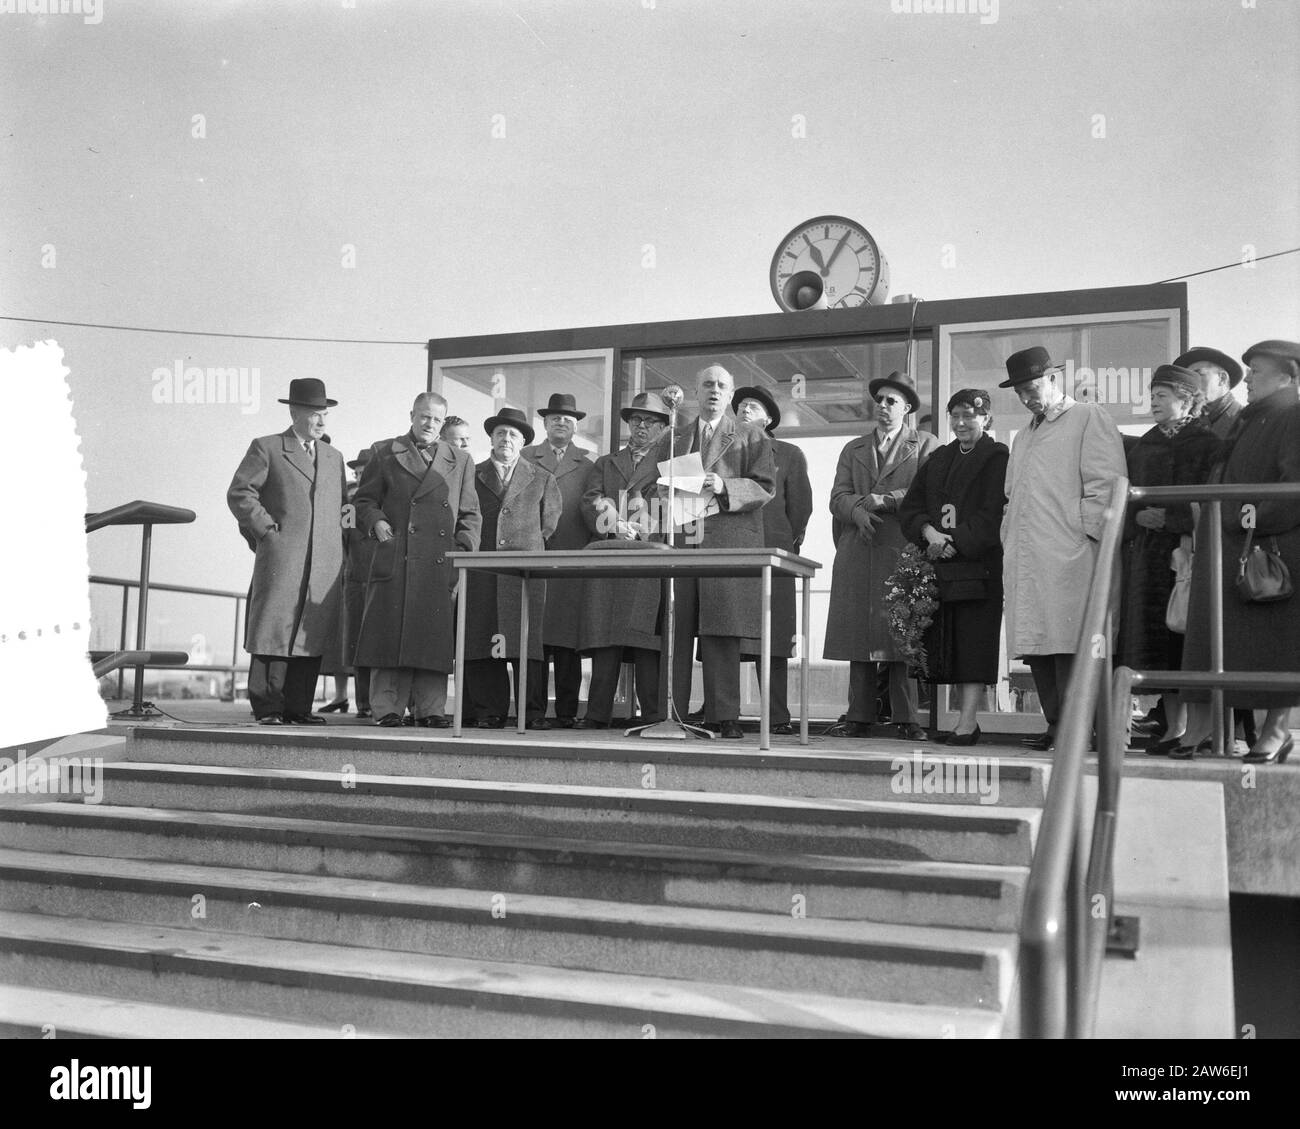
(687,471)
(689,508)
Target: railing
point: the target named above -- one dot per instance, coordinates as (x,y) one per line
(146,515)
(1062,941)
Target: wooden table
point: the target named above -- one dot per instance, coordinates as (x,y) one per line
(589,564)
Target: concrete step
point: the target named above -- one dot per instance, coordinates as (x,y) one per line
(612,762)
(856,828)
(30,1013)
(866,960)
(916,892)
(374,990)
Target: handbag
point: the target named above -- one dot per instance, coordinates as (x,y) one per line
(1262,575)
(961,580)
(1180,562)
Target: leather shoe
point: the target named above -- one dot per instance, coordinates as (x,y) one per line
(409,719)
(910,731)
(564,723)
(390,721)
(782,728)
(1179,752)
(433,721)
(271,719)
(538,723)
(304,719)
(1277,756)
(963,739)
(1041,743)
(493,722)
(362,714)
(1168,748)
(849,729)
(695,717)
(730,730)
(590,723)
(341,706)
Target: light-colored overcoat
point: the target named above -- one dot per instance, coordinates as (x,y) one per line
(1059,481)
(294,600)
(618,612)
(857,627)
(562,596)
(408,619)
(519,519)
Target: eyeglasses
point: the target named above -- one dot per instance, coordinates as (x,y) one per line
(891,401)
(641,421)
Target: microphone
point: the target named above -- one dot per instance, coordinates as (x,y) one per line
(672,395)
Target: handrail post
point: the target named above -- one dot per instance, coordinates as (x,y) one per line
(141,616)
(1215,536)
(121,640)
(234,650)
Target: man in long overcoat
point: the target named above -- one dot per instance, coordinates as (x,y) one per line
(287,495)
(570,465)
(1059,480)
(785,518)
(739,473)
(871,479)
(417,500)
(619,618)
(521,504)
(1219,375)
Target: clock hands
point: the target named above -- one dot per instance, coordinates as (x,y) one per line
(816,255)
(838,246)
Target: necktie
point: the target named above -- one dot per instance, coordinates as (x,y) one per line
(708,434)
(559,453)
(309,445)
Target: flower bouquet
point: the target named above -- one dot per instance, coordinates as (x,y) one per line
(912,596)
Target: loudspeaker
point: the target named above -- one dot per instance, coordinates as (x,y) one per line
(805,291)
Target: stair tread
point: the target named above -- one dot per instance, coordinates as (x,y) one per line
(72,1014)
(397,836)
(740,927)
(992,818)
(511,984)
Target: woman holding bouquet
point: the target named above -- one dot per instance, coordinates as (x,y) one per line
(953,511)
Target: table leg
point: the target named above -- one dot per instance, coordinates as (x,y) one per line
(805,644)
(521,706)
(462,599)
(765,665)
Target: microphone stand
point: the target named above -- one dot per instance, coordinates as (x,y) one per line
(672,728)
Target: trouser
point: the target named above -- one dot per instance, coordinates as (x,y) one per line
(778,711)
(392,687)
(282,685)
(487,688)
(862,693)
(1051,677)
(363,687)
(605,665)
(568,679)
(720,655)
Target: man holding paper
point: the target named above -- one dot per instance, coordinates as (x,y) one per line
(724,475)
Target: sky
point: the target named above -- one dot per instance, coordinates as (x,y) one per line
(408,169)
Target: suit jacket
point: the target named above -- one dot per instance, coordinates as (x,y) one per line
(277,485)
(521,517)
(408,617)
(561,626)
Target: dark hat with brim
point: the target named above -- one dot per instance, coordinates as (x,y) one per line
(561,404)
(308,392)
(510,417)
(765,398)
(1214,357)
(1178,378)
(1028,364)
(1281,350)
(363,457)
(900,381)
(647,403)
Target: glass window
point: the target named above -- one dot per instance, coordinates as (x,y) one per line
(820,388)
(476,388)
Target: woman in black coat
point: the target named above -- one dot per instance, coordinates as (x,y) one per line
(1178,451)
(1263,447)
(953,510)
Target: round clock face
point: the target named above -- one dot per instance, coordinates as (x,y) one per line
(832,254)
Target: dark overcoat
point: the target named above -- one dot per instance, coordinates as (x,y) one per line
(1156,459)
(408,619)
(295,595)
(358,548)
(520,519)
(962,494)
(1222,414)
(1265,447)
(741,455)
(857,627)
(785,520)
(617,612)
(562,596)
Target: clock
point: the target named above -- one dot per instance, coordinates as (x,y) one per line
(829,263)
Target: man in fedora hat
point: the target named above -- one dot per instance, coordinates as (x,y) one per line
(417,501)
(570,465)
(871,479)
(521,504)
(1059,479)
(1219,375)
(785,518)
(287,495)
(619,618)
